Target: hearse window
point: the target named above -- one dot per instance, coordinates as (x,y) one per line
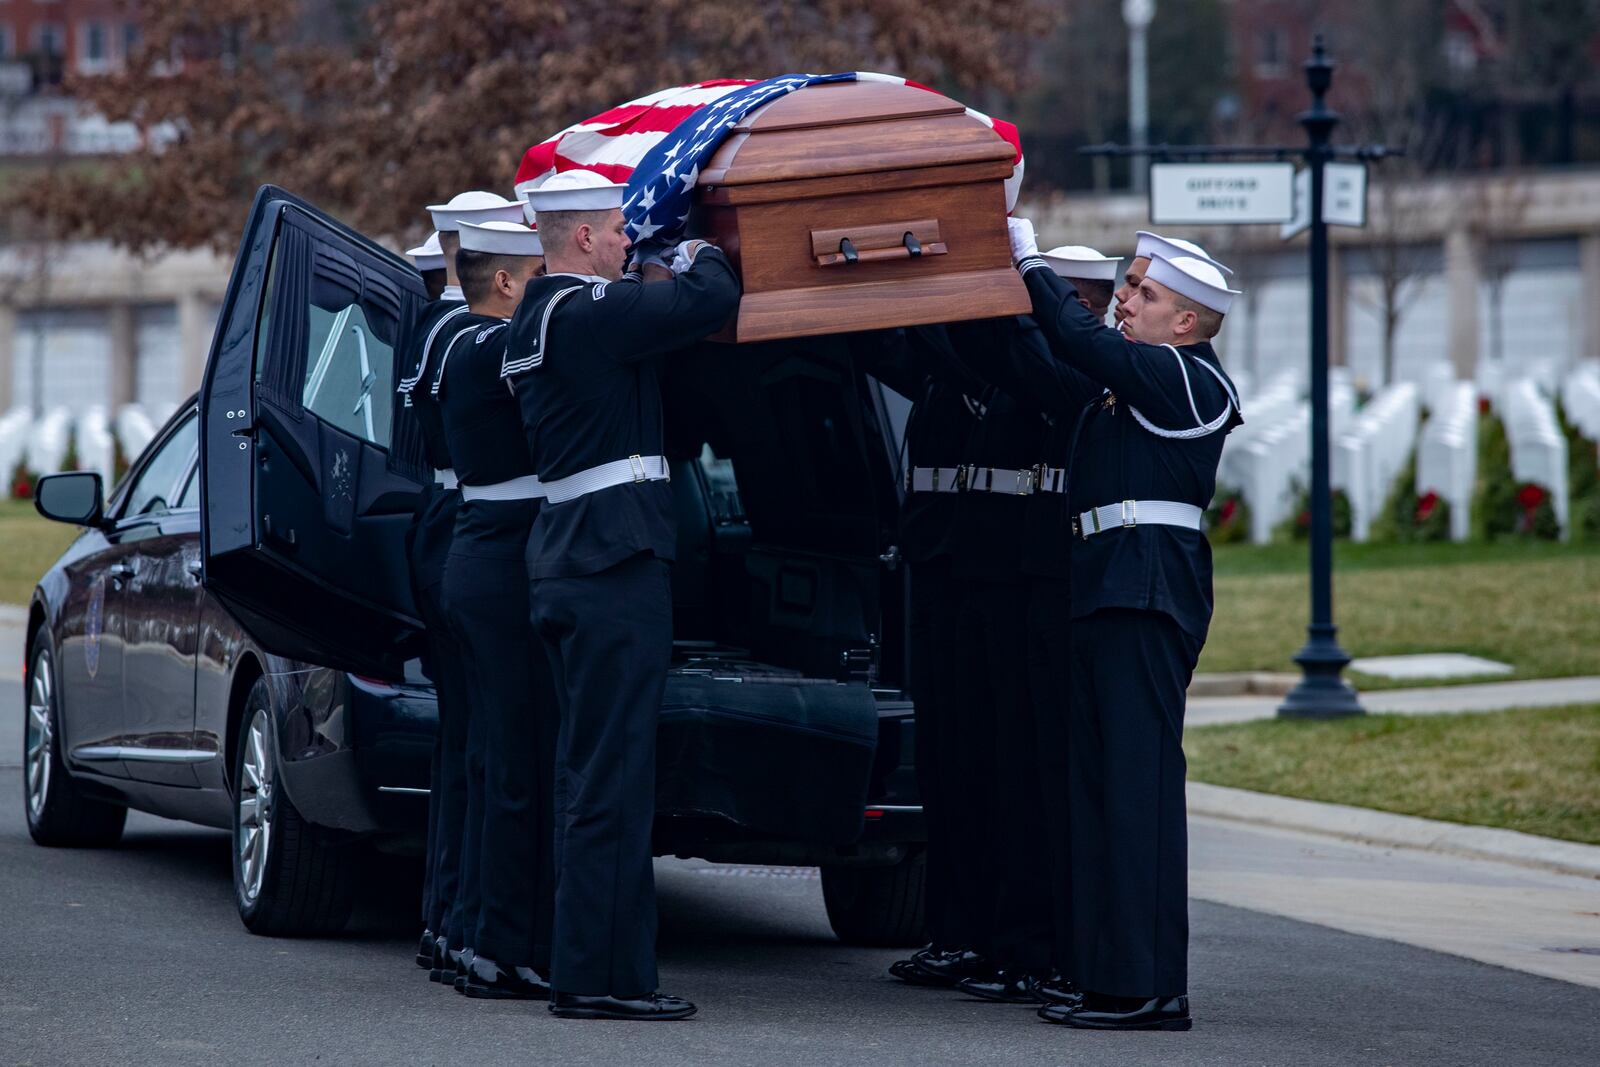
(191,491)
(349,374)
(326,334)
(158,482)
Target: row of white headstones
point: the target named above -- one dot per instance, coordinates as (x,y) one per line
(41,444)
(1268,457)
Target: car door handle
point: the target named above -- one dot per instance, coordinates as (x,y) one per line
(121,570)
(195,567)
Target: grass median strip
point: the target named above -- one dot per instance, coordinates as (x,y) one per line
(1535,606)
(1536,770)
(29,543)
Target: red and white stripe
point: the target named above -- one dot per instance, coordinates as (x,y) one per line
(615,141)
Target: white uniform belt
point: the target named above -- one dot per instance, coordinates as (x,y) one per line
(617,472)
(935,480)
(526,487)
(998,480)
(446,478)
(1050,479)
(1138,513)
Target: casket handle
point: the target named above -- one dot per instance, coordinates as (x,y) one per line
(876,243)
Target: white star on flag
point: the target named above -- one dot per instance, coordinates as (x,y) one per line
(647,229)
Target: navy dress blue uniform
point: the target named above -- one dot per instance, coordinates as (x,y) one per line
(954,744)
(1019,363)
(428,544)
(1141,605)
(998,483)
(485,597)
(583,357)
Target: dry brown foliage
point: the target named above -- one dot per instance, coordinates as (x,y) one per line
(375,109)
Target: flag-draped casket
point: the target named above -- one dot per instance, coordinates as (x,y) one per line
(847,202)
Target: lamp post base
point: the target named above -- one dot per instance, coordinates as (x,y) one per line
(1321,693)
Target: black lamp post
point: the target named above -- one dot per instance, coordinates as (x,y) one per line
(1322,692)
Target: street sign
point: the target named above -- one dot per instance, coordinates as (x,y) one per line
(1220,193)
(1344,194)
(1344,198)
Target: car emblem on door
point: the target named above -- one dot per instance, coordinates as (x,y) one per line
(94,621)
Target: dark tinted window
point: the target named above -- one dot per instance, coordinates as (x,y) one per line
(158,484)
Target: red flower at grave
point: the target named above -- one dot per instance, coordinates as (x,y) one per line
(1230,508)
(1303,520)
(1483,405)
(1426,504)
(1530,496)
(22,488)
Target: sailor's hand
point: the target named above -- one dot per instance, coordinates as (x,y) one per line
(1023,243)
(646,252)
(683,256)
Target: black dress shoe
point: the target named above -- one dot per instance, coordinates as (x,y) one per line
(1004,986)
(651,1007)
(487,980)
(1105,1013)
(425,950)
(908,972)
(443,967)
(1059,991)
(951,967)
(463,968)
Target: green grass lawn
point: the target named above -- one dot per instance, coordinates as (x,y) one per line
(29,543)
(1534,770)
(1533,605)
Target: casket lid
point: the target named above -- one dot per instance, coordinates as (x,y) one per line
(842,128)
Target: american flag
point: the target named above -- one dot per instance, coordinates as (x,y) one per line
(651,144)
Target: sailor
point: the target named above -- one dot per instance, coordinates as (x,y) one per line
(428,545)
(485,598)
(1146,245)
(1141,469)
(582,356)
(955,756)
(428,258)
(1017,603)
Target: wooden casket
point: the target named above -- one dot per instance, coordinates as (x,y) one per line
(861,205)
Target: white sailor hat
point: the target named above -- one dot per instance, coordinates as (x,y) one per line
(474,206)
(428,255)
(1196,279)
(1081,261)
(576,190)
(501,238)
(1172,248)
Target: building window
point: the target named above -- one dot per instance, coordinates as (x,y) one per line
(94,47)
(49,39)
(8,41)
(130,39)
(1272,52)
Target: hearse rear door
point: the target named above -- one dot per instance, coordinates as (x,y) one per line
(303,515)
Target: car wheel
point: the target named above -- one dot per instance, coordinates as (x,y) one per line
(287,880)
(879,906)
(58,811)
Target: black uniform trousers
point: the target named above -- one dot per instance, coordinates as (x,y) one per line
(956,905)
(609,637)
(1002,731)
(427,545)
(1049,625)
(513,758)
(1130,671)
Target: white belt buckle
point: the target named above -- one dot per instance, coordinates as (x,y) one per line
(1130,513)
(636,465)
(1025,482)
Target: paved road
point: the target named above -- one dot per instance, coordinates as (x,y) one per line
(135,955)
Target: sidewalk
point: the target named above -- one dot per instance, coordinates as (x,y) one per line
(1434,700)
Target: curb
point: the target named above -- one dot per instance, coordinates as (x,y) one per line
(1242,683)
(13,614)
(1399,831)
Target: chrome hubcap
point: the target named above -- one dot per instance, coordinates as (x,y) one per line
(40,737)
(254,835)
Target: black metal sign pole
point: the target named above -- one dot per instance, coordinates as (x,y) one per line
(1321,692)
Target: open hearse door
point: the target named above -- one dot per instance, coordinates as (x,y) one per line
(304,516)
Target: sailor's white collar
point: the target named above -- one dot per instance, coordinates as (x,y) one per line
(453,293)
(574,274)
